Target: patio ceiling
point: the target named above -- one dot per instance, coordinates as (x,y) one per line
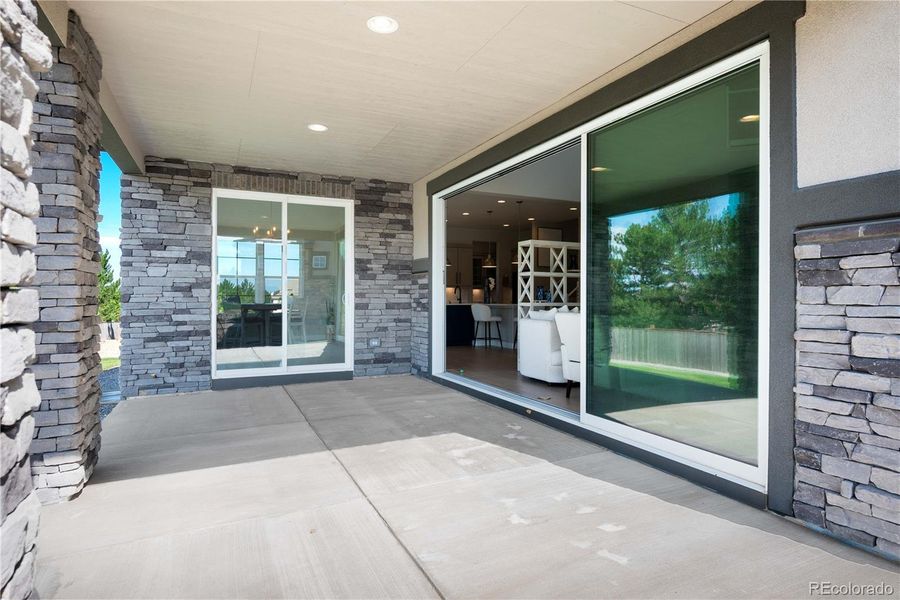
(238,82)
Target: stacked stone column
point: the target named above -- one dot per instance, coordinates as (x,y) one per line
(383,248)
(24,49)
(847,449)
(66,156)
(421,309)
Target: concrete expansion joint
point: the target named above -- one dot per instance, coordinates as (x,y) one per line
(387,524)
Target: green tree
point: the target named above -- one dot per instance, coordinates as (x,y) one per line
(110,294)
(232,295)
(680,270)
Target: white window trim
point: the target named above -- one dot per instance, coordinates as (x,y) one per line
(349,279)
(752,476)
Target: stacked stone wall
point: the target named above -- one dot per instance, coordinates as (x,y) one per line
(421,309)
(167,259)
(847,404)
(384,245)
(166,276)
(24,49)
(66,157)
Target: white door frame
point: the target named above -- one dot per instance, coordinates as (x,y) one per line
(752,476)
(349,278)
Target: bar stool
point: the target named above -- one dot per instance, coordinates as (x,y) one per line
(482,314)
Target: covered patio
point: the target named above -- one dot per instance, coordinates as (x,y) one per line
(397,487)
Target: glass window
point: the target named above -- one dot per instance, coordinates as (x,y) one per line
(315,285)
(248,309)
(280,296)
(672,322)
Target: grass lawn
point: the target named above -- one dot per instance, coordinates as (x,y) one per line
(110,363)
(724,381)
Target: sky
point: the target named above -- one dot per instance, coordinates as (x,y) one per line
(717,207)
(110,209)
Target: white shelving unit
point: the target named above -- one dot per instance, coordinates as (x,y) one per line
(564,284)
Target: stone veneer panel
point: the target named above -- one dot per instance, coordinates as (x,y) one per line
(24,49)
(384,243)
(166,259)
(66,156)
(165,269)
(847,394)
(421,306)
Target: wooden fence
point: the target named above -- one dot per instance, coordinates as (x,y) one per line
(685,349)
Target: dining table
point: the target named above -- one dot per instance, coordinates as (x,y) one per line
(266,309)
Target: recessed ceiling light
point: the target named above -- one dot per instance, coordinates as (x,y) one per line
(501,201)
(750,119)
(531,218)
(382,24)
(317,127)
(465,214)
(599,169)
(506,224)
(573,208)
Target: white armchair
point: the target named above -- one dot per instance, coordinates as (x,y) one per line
(539,350)
(569,328)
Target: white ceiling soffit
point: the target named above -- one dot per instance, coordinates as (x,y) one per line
(238,82)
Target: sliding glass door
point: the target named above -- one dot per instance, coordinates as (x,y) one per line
(673,316)
(282,285)
(672,350)
(316,299)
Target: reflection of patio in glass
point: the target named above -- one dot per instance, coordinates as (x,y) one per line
(308,353)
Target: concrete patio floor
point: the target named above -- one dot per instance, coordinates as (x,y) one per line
(396,487)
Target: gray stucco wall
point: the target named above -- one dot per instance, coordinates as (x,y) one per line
(847,52)
(167,258)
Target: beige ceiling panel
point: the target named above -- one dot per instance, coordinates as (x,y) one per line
(686,12)
(237,82)
(563,43)
(437,35)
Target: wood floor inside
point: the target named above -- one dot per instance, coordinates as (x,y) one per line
(497,367)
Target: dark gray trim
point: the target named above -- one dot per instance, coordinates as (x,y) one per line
(45,26)
(115,147)
(769,20)
(269,380)
(421,265)
(859,199)
(707,480)
(782,178)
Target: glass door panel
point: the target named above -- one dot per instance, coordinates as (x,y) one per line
(248,291)
(315,284)
(673,282)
